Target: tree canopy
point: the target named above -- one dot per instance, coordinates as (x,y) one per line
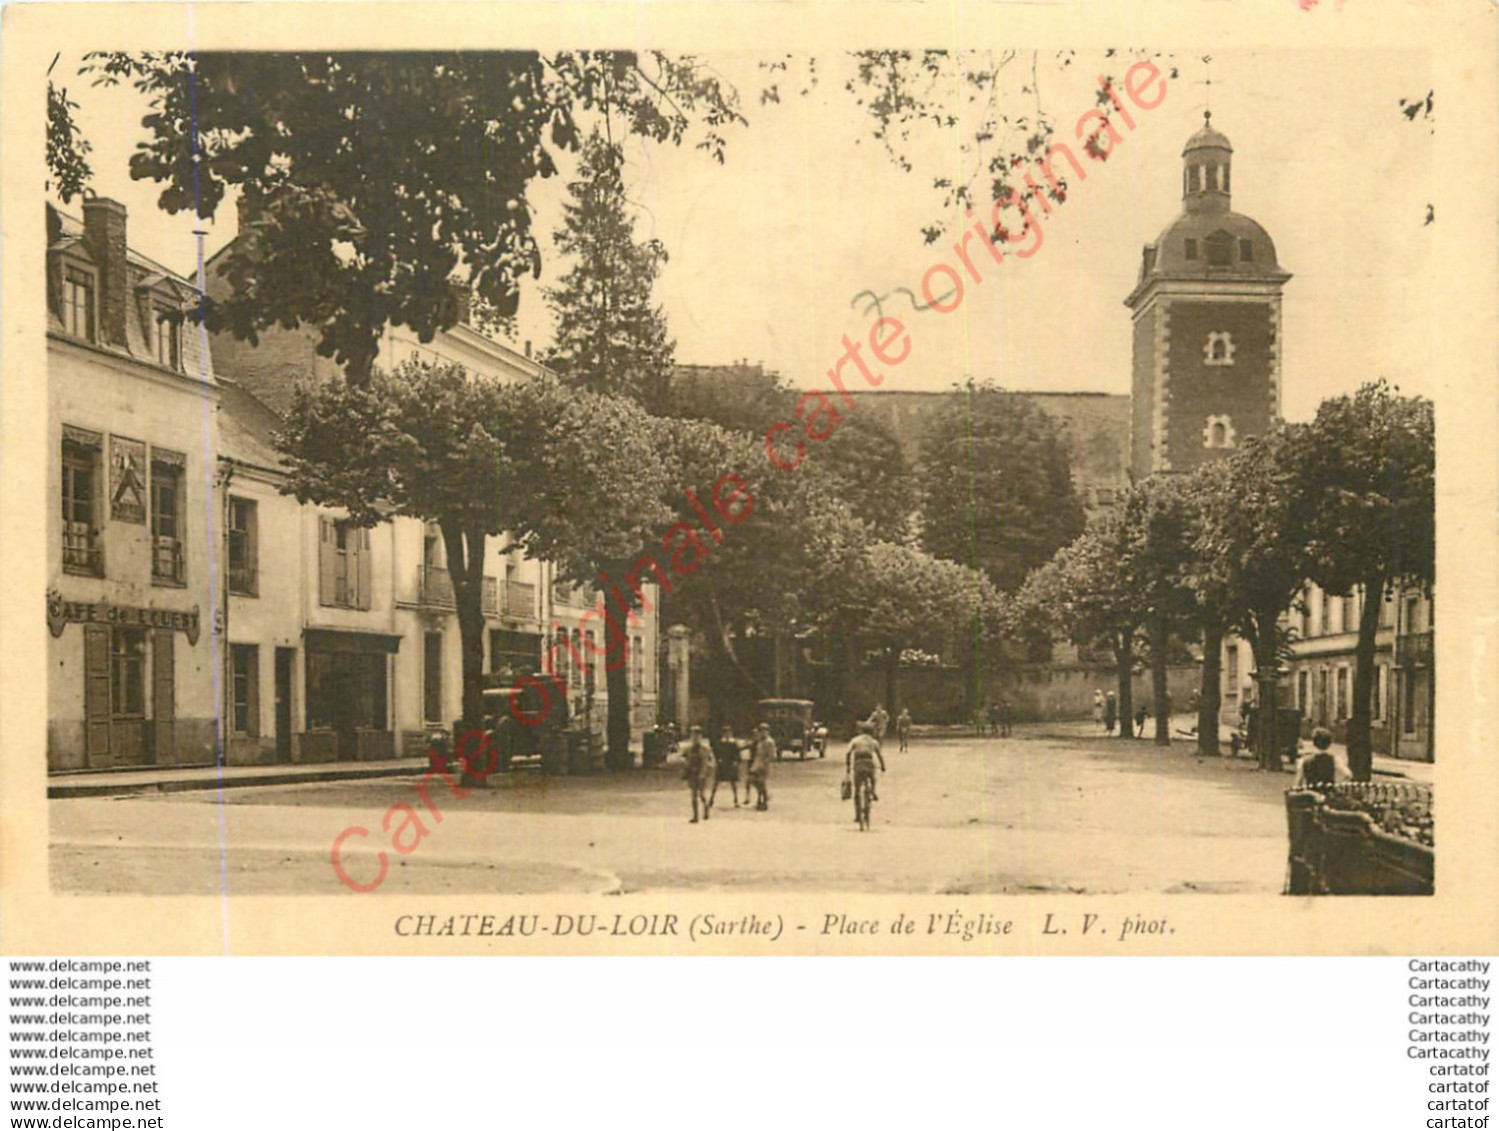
(609,336)
(381,188)
(996,484)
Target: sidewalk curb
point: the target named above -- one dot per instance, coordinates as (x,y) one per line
(101,786)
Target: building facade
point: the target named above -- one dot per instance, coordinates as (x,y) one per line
(365,661)
(132,428)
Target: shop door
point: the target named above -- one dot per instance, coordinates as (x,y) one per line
(163,696)
(96,696)
(129,742)
(284,657)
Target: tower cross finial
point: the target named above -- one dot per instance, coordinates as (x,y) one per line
(1207,81)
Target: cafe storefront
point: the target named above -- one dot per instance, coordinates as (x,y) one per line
(131,686)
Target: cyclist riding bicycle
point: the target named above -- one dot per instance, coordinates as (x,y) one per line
(859,761)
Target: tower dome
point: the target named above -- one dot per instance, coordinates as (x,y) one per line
(1207,162)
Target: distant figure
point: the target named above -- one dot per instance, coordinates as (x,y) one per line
(903,728)
(1110,712)
(1099,708)
(993,713)
(698,771)
(762,754)
(726,754)
(1141,714)
(1004,718)
(1321,767)
(879,721)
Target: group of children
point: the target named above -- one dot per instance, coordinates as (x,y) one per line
(705,765)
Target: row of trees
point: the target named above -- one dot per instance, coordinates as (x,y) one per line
(1346,502)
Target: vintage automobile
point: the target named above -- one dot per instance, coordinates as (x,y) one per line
(793,727)
(541,740)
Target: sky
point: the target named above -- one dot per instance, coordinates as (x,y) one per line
(769,250)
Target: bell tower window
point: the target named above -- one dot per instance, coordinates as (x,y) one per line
(1219,432)
(1219,349)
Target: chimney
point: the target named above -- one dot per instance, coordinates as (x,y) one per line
(528,347)
(104,231)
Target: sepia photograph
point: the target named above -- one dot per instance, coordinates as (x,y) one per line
(982,470)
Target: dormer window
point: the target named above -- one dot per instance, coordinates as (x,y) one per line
(166,330)
(1191,249)
(1246,251)
(1219,349)
(78,303)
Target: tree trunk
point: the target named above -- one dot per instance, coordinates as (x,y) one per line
(1267,701)
(1210,698)
(892,679)
(465,552)
(1124,660)
(617,682)
(1160,634)
(1360,742)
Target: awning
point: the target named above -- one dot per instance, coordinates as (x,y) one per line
(344,640)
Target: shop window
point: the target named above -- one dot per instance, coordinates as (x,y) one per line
(244,678)
(244,577)
(82,550)
(127,673)
(167,512)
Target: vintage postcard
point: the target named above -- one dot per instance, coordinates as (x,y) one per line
(648,478)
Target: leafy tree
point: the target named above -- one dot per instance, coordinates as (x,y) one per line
(1369,467)
(585,484)
(904,597)
(1159,517)
(864,459)
(985,107)
(1216,606)
(1086,594)
(383,187)
(996,485)
(610,337)
(741,398)
(1256,538)
(68,169)
(788,563)
(420,441)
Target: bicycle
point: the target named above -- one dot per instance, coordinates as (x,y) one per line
(863,798)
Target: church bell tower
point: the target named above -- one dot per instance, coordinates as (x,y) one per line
(1206,324)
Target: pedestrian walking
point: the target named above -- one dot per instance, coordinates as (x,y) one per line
(903,728)
(1141,714)
(879,721)
(698,770)
(1110,713)
(1098,707)
(762,754)
(727,758)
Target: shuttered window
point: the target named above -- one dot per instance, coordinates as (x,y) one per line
(244,574)
(345,573)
